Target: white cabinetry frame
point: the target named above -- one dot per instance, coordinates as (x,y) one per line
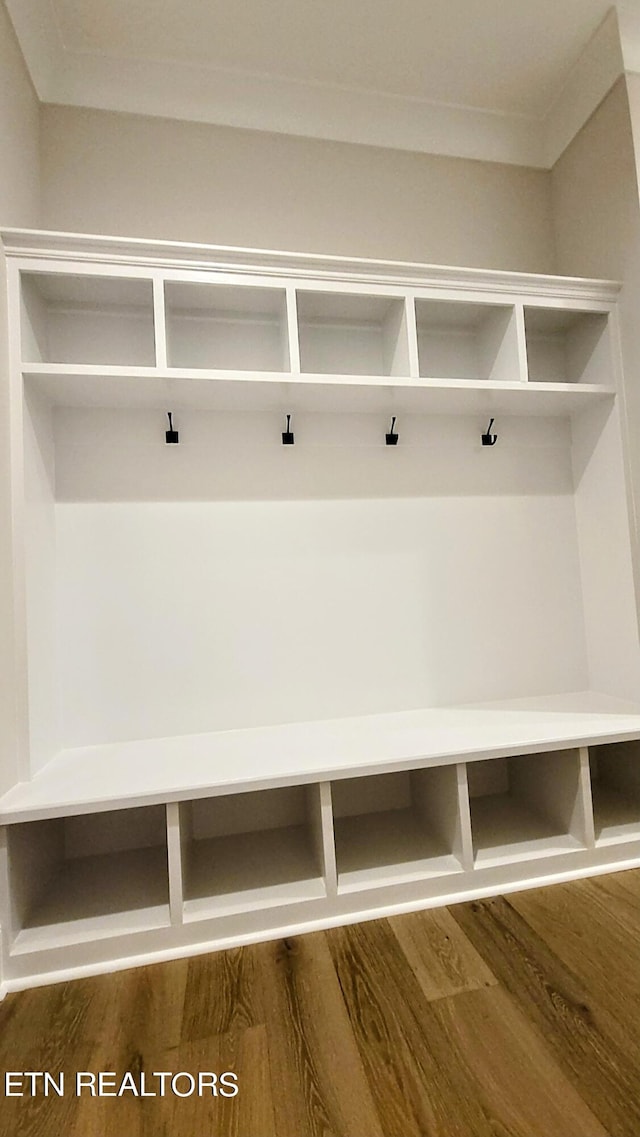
(268,688)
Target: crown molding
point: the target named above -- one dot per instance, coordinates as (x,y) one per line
(629,21)
(37,245)
(592,76)
(198,93)
(40,41)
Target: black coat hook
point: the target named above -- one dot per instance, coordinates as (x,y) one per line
(287,435)
(489,439)
(391,438)
(171,435)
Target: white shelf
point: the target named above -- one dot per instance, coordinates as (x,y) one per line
(566,346)
(87,319)
(228,327)
(114,894)
(396,827)
(475,342)
(171,769)
(506,831)
(251,851)
(350,334)
(526,806)
(145,387)
(388,848)
(249,871)
(82,878)
(615,789)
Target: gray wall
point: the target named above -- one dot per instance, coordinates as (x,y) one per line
(150,177)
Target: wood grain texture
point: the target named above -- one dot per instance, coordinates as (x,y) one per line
(598,1054)
(511,1017)
(320,1087)
(439,954)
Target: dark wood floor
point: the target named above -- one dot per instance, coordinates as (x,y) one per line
(511,1017)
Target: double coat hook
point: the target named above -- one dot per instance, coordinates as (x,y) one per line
(391,438)
(489,439)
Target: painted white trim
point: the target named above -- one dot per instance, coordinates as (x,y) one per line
(629,21)
(32,245)
(40,41)
(188,951)
(199,93)
(592,76)
(247,100)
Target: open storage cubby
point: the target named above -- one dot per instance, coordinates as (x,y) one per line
(397,827)
(228,327)
(567,346)
(80,878)
(87,319)
(254,850)
(467,341)
(352,334)
(527,805)
(615,790)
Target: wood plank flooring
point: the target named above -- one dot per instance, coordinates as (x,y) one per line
(517,1016)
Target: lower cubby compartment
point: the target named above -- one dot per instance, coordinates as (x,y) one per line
(396,827)
(76,879)
(615,791)
(253,850)
(529,805)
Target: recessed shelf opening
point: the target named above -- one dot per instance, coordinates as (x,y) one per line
(396,827)
(228,327)
(615,790)
(565,346)
(467,341)
(85,877)
(254,850)
(349,334)
(525,806)
(87,319)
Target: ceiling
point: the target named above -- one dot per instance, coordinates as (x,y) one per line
(501,79)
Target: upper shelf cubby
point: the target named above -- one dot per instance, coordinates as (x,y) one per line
(228,327)
(344,333)
(567,346)
(87,319)
(458,340)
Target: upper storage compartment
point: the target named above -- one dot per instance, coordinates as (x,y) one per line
(344,333)
(87,320)
(567,346)
(228,327)
(458,340)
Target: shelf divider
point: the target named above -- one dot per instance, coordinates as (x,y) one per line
(521,339)
(585,799)
(159,321)
(292,330)
(465,839)
(175,851)
(321,817)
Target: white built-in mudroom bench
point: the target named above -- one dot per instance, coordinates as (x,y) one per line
(324,596)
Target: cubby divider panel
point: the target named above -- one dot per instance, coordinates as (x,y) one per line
(566,346)
(458,340)
(397,827)
(226,327)
(529,805)
(352,334)
(615,790)
(87,319)
(259,849)
(84,877)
